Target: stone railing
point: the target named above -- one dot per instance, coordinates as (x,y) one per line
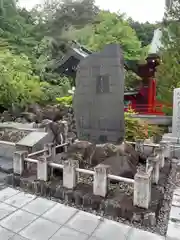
(141,182)
(141,146)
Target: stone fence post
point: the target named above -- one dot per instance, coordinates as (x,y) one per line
(166,148)
(154,161)
(51,150)
(70,176)
(142,189)
(43,170)
(19,161)
(160,152)
(139,146)
(100,184)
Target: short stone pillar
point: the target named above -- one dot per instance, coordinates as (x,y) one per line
(160,152)
(70,176)
(166,148)
(19,161)
(65,134)
(43,168)
(142,189)
(100,184)
(155,163)
(139,147)
(51,148)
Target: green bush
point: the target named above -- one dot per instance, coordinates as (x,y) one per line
(138,129)
(66,101)
(18,85)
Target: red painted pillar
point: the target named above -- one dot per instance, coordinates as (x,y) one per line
(152,95)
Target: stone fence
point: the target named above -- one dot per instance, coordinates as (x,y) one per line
(141,182)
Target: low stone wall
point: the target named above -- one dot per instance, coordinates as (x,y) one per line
(117,205)
(7,149)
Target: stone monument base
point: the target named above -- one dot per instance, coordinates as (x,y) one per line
(175,144)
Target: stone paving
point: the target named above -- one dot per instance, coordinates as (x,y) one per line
(27,217)
(173,232)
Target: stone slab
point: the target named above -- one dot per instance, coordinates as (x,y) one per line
(176,201)
(40,229)
(39,206)
(17,221)
(7,193)
(6,164)
(32,138)
(175,213)
(5,234)
(20,199)
(7,150)
(84,222)
(173,231)
(5,210)
(18,237)
(65,233)
(111,230)
(137,234)
(34,141)
(60,214)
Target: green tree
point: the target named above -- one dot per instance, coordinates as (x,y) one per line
(144,31)
(168,73)
(111,28)
(18,85)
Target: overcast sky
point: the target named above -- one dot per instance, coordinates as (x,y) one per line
(140,10)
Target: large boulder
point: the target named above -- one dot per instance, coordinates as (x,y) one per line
(102,152)
(121,166)
(122,159)
(82,151)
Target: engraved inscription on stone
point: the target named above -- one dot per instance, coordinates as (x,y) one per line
(102,84)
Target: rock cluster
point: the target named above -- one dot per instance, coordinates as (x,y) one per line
(36,113)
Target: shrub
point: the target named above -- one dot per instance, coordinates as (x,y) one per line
(18,85)
(66,101)
(138,129)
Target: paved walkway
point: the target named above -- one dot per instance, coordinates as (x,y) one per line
(27,217)
(173,231)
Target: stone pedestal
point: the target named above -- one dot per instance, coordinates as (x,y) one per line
(42,168)
(154,161)
(19,161)
(70,176)
(142,189)
(174,137)
(100,184)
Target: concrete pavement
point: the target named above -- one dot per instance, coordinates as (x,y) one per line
(27,217)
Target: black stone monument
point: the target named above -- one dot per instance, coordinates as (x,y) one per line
(99,96)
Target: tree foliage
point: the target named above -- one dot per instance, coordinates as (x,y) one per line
(18,85)
(33,41)
(110,28)
(168,73)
